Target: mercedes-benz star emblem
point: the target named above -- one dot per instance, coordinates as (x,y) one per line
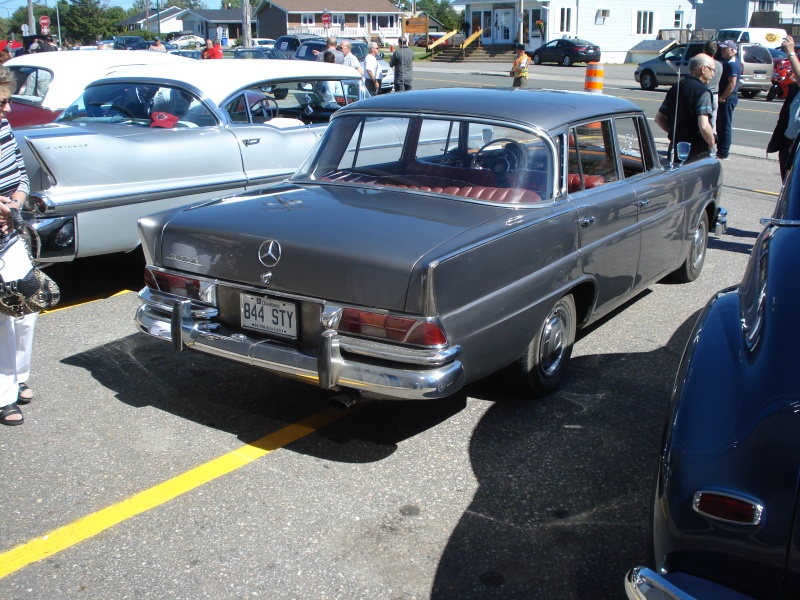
(269,253)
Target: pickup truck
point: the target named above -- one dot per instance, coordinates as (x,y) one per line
(663,70)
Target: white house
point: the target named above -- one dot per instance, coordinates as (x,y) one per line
(723,14)
(614,25)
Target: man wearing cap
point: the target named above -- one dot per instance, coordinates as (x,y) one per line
(158,46)
(520,69)
(728,96)
(686,110)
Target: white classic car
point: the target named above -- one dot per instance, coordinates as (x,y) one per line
(150,138)
(48,81)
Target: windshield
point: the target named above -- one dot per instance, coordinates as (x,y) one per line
(466,158)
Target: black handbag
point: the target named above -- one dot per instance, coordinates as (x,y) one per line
(33,292)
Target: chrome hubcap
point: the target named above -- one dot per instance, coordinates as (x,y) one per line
(551,346)
(698,246)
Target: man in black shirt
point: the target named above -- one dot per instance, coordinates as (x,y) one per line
(686,112)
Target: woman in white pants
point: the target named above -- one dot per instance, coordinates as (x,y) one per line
(16,334)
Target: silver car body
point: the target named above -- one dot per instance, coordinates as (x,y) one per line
(214,127)
(431,239)
(755,61)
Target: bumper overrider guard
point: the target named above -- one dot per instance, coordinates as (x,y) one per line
(416,374)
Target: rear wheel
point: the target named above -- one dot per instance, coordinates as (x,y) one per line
(748,93)
(540,368)
(696,257)
(648,81)
(566,61)
(537,59)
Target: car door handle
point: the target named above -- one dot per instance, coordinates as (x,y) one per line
(586,222)
(252,141)
(641,203)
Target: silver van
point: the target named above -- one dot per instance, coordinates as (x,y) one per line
(755,59)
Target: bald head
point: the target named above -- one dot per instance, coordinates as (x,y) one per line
(697,63)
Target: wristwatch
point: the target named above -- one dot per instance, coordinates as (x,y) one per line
(791,54)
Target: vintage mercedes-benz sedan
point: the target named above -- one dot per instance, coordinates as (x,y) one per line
(432,238)
(153,137)
(726,516)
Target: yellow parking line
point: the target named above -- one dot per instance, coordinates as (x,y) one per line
(89,526)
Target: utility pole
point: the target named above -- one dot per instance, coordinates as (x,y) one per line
(246,33)
(31,22)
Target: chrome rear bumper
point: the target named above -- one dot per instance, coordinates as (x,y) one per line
(642,583)
(329,369)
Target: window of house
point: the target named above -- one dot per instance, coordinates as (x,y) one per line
(337,20)
(770,6)
(678,20)
(796,7)
(644,22)
(307,19)
(566,19)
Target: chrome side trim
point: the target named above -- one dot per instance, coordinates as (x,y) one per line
(330,370)
(642,583)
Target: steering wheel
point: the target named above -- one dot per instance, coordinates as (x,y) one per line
(269,108)
(513,157)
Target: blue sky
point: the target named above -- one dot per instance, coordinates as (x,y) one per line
(13,5)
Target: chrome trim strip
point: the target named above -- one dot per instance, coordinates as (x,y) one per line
(417,356)
(166,302)
(330,371)
(780,222)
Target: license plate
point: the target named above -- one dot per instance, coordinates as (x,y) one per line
(760,76)
(268,315)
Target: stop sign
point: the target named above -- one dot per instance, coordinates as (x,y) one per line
(44,21)
(326,20)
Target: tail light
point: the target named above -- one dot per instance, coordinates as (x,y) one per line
(580,48)
(180,285)
(728,508)
(391,328)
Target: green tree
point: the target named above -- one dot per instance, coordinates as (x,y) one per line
(85,21)
(442,11)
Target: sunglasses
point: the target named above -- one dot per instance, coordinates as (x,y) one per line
(5,102)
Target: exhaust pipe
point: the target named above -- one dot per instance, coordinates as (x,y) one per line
(345,400)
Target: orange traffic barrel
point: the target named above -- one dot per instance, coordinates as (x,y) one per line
(594,78)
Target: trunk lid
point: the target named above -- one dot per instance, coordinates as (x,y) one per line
(346,244)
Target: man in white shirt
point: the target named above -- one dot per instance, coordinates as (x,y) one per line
(372,75)
(350,59)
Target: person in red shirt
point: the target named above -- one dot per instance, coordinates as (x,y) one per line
(214,51)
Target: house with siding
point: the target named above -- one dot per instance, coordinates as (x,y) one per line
(376,20)
(725,14)
(614,25)
(164,21)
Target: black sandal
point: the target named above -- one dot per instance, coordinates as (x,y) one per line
(11,410)
(22,399)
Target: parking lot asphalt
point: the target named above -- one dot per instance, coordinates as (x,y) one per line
(143,473)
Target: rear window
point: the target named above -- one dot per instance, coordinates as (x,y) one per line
(32,84)
(756,54)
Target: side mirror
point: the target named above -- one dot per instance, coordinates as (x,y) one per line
(683,150)
(488,134)
(380,55)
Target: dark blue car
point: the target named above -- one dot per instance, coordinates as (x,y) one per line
(726,515)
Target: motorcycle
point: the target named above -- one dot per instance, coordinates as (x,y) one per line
(782,78)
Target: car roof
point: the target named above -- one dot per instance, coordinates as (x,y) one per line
(549,109)
(73,71)
(218,79)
